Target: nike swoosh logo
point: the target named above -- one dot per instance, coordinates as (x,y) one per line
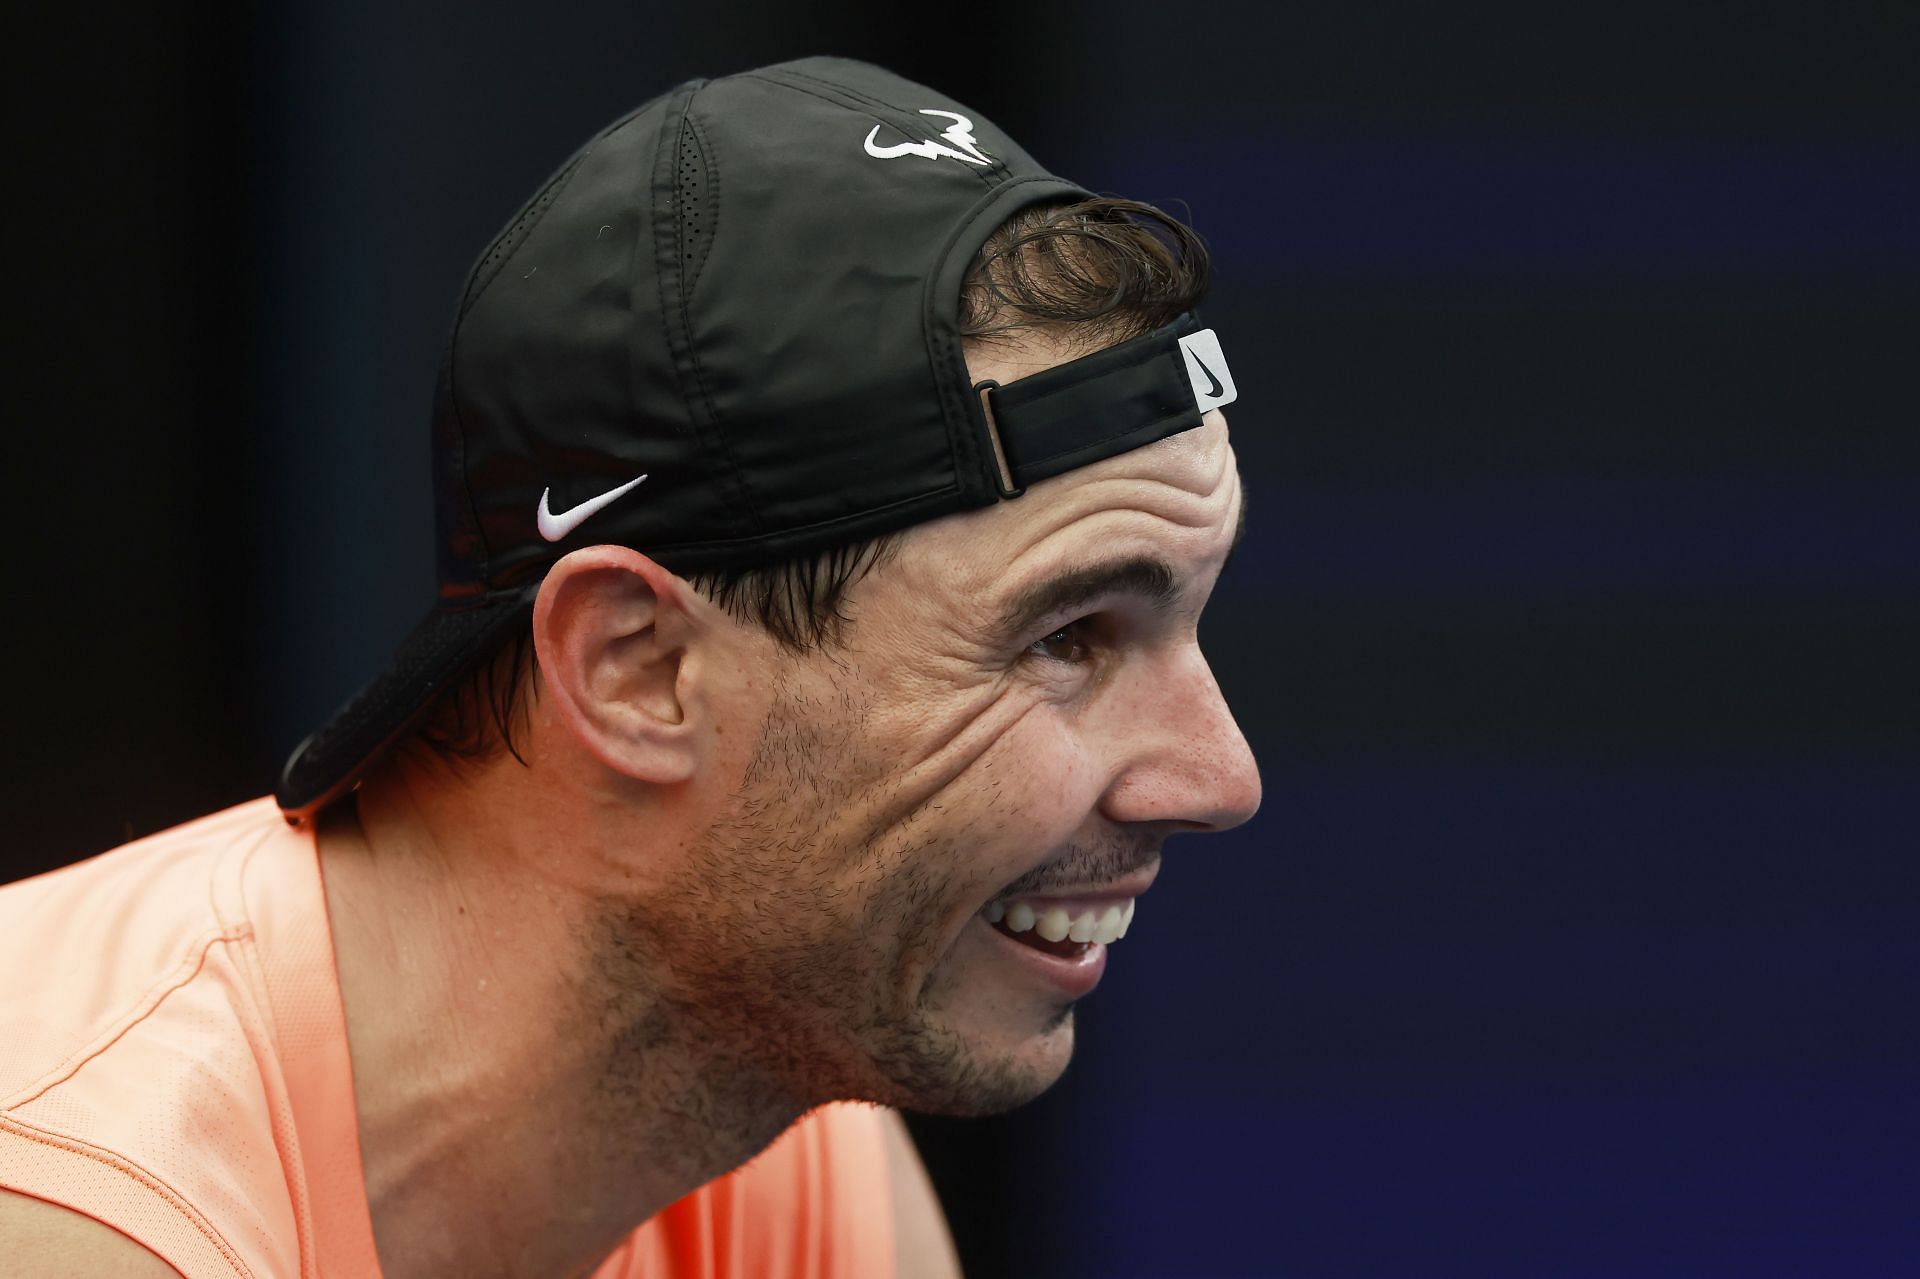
(1216,390)
(554,527)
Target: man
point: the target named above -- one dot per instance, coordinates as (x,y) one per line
(828,498)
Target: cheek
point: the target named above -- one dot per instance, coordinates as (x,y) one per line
(899,779)
(1024,799)
(1017,805)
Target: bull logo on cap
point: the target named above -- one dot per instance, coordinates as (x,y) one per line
(959,133)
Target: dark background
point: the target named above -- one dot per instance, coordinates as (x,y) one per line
(1575,630)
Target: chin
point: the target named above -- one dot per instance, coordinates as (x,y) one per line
(969,1041)
(946,1071)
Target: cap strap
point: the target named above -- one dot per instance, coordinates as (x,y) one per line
(1105,403)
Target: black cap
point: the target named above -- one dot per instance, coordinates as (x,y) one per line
(726,333)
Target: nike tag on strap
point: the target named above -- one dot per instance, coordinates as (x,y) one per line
(1207,369)
(554,527)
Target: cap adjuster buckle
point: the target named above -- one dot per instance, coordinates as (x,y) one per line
(990,432)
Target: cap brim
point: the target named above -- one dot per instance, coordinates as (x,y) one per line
(446,644)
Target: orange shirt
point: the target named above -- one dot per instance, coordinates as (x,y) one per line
(173,1063)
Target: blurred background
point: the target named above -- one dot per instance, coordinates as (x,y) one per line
(1575,630)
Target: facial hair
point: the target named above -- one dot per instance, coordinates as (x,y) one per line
(769,974)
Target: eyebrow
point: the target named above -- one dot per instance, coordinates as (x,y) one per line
(1149,579)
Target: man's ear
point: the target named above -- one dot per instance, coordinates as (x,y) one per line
(614,633)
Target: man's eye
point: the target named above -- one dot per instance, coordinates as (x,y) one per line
(1065,645)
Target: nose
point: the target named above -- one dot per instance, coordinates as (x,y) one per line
(1180,758)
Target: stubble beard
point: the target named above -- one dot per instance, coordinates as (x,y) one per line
(770,976)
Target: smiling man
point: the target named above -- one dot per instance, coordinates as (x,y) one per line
(828,497)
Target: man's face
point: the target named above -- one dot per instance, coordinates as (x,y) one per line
(1020,715)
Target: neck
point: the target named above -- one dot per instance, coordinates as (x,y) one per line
(523,1102)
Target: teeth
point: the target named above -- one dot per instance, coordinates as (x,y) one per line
(1054,924)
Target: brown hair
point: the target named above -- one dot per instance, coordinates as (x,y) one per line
(1100,270)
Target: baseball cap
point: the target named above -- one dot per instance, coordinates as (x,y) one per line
(726,333)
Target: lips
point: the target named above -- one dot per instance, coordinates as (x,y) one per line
(1062,934)
(1071,969)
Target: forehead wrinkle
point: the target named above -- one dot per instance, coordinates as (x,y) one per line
(953,565)
(1146,574)
(1122,505)
(1239,519)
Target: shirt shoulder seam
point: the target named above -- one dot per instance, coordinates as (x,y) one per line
(150,1000)
(142,1177)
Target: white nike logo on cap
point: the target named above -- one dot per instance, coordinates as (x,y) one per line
(554,527)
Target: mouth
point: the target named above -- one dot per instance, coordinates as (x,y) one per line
(1059,935)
